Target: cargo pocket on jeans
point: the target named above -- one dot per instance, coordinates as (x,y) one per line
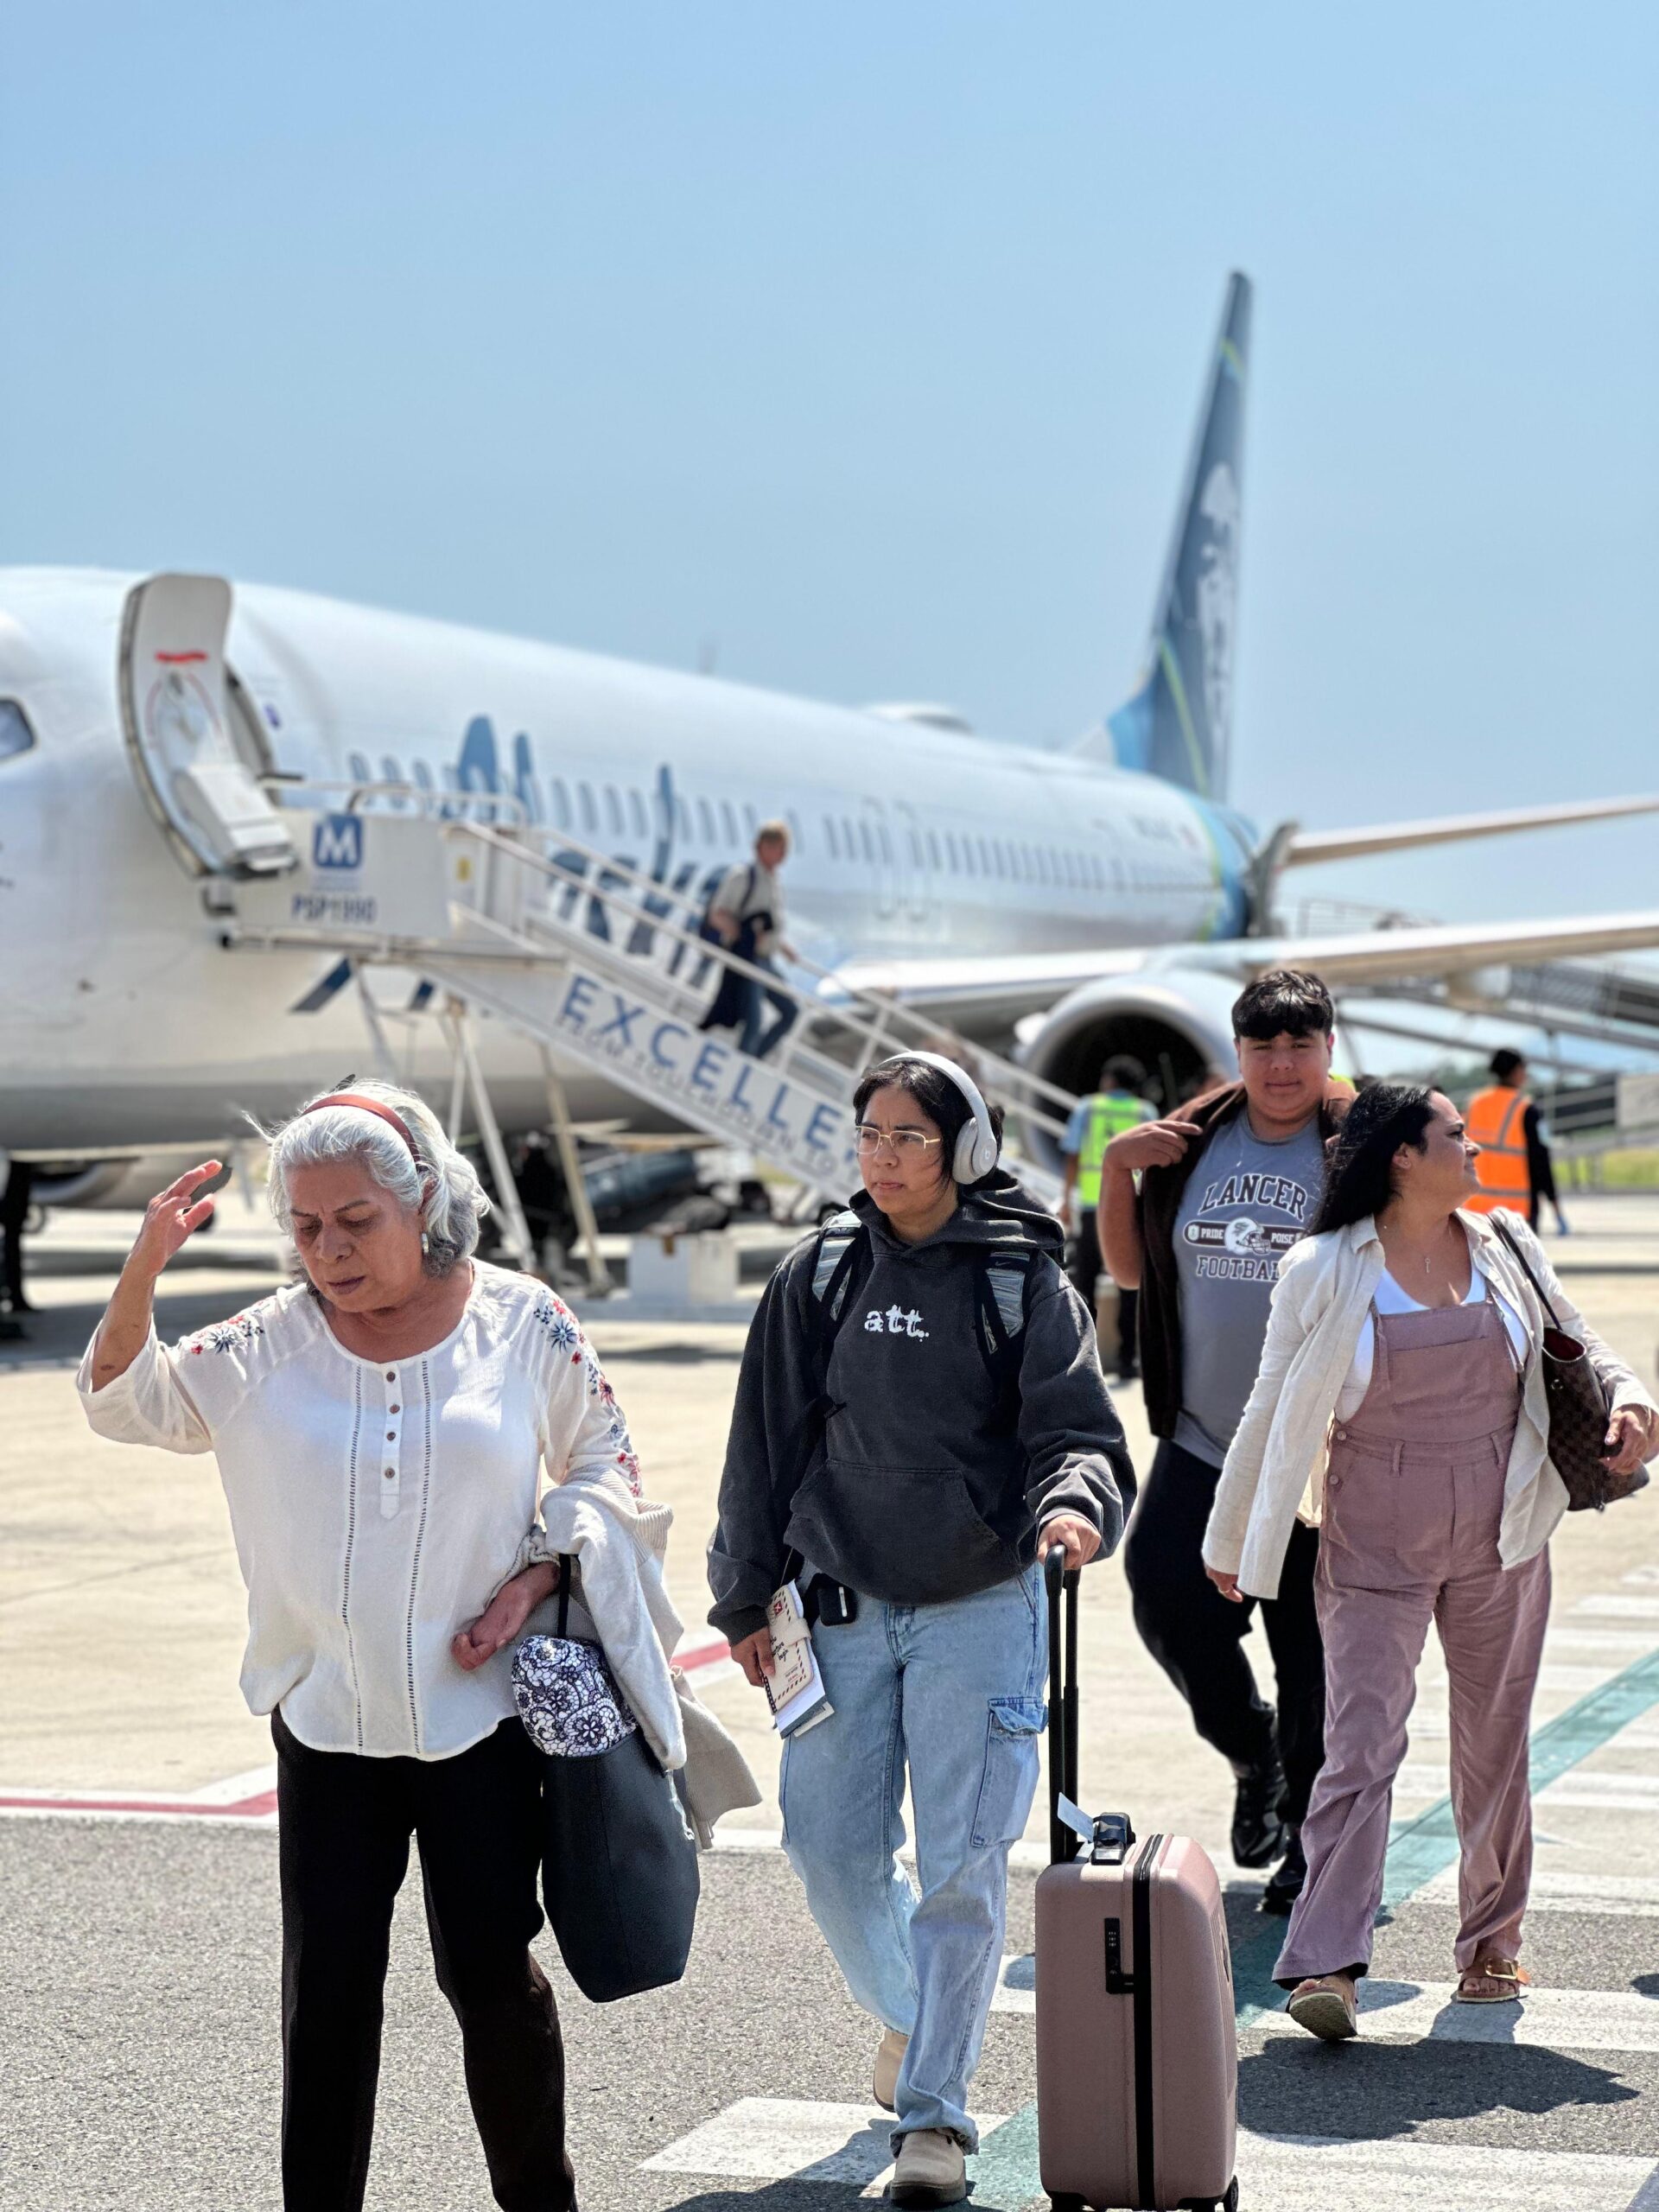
(1013,1729)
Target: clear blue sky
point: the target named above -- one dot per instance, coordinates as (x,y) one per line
(866,340)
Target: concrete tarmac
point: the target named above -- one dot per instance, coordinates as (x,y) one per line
(137,2035)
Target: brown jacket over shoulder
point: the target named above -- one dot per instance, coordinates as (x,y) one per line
(1159,1201)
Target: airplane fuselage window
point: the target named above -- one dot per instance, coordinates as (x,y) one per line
(637,815)
(560,798)
(729,821)
(589,811)
(830,833)
(357,764)
(683,820)
(612,811)
(933,849)
(951,848)
(751,820)
(706,820)
(968,853)
(915,849)
(15,734)
(867,842)
(794,822)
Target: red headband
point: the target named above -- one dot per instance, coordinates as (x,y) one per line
(368,1106)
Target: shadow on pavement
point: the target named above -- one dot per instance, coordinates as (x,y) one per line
(793,2195)
(57,1335)
(1373,2091)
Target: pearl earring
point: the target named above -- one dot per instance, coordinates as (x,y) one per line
(426,1245)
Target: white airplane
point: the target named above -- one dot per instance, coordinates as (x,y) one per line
(148,726)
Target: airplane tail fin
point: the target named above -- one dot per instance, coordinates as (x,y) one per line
(1178,724)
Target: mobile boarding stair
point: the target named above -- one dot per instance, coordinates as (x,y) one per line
(601,964)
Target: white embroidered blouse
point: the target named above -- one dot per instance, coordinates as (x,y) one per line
(377,1507)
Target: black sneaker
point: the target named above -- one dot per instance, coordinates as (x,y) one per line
(1284,1885)
(1258,1832)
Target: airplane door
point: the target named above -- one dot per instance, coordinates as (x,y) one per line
(174,713)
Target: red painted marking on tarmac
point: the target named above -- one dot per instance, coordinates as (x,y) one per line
(174,660)
(261,1807)
(248,1808)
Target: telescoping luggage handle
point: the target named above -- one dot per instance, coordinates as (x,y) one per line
(1108,1835)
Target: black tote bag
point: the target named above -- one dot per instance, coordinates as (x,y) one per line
(620,1876)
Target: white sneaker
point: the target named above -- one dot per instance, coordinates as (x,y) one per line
(931,2169)
(889,2058)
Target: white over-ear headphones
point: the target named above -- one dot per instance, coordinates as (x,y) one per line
(976,1144)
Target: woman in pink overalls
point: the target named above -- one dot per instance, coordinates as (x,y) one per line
(1402,1366)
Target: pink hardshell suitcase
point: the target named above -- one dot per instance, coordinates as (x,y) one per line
(1137,2055)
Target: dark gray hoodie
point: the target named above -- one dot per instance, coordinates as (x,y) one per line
(925,1481)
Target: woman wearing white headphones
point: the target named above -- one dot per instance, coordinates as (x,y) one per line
(920,1415)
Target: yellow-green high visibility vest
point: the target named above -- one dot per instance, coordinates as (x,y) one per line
(1111,1112)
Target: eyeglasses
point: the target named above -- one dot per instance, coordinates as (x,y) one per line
(868,1138)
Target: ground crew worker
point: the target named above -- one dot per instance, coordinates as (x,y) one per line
(1095,1121)
(1514,1167)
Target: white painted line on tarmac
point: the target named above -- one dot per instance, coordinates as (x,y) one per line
(1612,1607)
(1634,1897)
(1277,2173)
(790,2139)
(1016,1984)
(1618,1642)
(1545,2020)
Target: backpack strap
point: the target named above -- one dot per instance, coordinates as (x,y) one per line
(1002,1286)
(838,1243)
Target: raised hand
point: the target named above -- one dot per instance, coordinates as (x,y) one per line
(170,1218)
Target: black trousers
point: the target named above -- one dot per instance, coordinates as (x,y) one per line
(1197,1635)
(1083,1268)
(14,1210)
(344,1826)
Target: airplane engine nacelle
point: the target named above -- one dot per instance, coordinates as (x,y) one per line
(1479,991)
(1179,1024)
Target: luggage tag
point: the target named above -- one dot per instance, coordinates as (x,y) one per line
(1073,1817)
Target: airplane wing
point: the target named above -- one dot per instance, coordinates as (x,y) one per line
(1301,849)
(1000,989)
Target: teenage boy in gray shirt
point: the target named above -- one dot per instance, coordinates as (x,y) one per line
(1197,1210)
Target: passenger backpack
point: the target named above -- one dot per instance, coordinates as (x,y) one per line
(706,929)
(1002,1282)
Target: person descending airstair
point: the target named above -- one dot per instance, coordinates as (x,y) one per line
(602,964)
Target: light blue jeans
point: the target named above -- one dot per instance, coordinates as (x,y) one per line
(955,1693)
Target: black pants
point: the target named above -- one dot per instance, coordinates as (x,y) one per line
(1084,1266)
(14,1212)
(1197,1635)
(344,1826)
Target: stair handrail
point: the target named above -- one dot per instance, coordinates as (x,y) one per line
(877,1008)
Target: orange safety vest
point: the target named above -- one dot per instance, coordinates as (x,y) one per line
(1496,1121)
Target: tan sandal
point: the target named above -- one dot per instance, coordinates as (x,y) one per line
(1507,1972)
(1327,2007)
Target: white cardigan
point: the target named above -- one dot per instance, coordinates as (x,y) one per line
(1275,1469)
(378,1506)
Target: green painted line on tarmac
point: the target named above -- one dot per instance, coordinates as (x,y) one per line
(1005,2173)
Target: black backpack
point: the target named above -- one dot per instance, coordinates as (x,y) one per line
(1002,1280)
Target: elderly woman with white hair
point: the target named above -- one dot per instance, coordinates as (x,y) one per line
(380,1428)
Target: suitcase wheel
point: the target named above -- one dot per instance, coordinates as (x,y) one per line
(1228,2203)
(1066,2203)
